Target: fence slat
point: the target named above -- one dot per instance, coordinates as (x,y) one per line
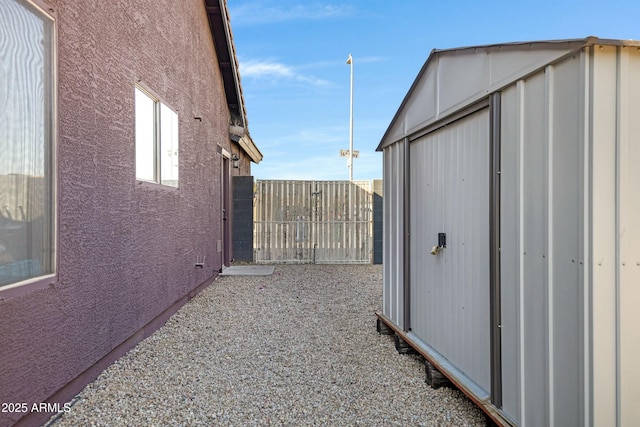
(320,222)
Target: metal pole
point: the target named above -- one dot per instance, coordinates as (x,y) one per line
(350,62)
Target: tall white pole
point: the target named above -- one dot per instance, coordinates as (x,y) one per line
(350,62)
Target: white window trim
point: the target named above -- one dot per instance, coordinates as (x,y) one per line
(157,139)
(23,287)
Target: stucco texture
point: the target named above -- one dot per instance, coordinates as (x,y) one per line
(126,250)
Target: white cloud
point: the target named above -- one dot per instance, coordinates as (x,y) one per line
(257,69)
(265,69)
(263,13)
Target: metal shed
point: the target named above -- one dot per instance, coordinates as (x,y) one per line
(519,166)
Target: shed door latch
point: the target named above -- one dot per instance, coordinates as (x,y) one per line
(442,240)
(442,243)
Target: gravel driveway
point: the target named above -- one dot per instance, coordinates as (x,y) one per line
(298,347)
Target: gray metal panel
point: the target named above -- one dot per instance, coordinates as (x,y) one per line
(533,268)
(603,241)
(565,223)
(462,79)
(452,79)
(629,232)
(510,250)
(552,220)
(542,246)
(570,248)
(450,291)
(422,106)
(615,239)
(393,252)
(397,131)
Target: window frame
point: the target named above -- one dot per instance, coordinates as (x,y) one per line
(22,287)
(158,104)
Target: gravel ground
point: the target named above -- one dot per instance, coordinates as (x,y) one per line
(298,347)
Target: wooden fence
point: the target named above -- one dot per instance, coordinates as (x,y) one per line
(323,222)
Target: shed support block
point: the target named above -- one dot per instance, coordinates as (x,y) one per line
(383,328)
(434,377)
(403,347)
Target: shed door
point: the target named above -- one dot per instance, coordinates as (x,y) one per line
(449,173)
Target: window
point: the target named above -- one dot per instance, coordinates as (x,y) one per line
(27,238)
(156,140)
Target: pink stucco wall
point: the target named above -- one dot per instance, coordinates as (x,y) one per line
(126,250)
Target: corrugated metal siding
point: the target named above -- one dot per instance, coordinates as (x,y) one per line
(570,241)
(542,246)
(549,219)
(533,245)
(629,233)
(393,249)
(510,230)
(450,291)
(313,221)
(603,248)
(614,269)
(452,79)
(566,221)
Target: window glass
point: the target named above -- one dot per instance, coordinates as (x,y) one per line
(169,146)
(26,143)
(145,136)
(156,141)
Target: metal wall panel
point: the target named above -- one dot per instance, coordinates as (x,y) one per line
(570,239)
(629,233)
(533,245)
(451,79)
(565,243)
(422,106)
(462,84)
(542,246)
(614,347)
(602,259)
(449,172)
(393,249)
(510,293)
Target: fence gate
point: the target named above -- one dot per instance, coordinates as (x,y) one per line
(313,222)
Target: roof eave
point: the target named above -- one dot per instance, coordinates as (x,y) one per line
(219,24)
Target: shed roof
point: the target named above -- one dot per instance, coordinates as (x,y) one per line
(220,26)
(452,79)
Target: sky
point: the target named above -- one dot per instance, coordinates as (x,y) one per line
(296,81)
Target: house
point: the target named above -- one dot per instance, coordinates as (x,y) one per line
(511,234)
(122,125)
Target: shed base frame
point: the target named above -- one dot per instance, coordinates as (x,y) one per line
(484,402)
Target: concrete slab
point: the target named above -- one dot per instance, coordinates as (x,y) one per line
(248,270)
